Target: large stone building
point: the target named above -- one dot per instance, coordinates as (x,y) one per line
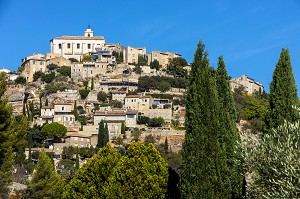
(139,103)
(88,69)
(131,54)
(247,83)
(162,57)
(63,113)
(77,46)
(38,62)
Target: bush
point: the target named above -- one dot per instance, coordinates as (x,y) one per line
(102,96)
(53,88)
(65,71)
(52,66)
(48,77)
(84,93)
(73,60)
(156,122)
(37,75)
(20,80)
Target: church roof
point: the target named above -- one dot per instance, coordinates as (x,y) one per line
(80,38)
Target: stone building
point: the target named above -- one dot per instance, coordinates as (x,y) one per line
(247,83)
(131,54)
(162,57)
(38,62)
(63,113)
(139,103)
(77,46)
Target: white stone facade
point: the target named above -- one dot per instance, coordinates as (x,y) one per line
(77,46)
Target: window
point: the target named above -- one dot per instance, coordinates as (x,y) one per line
(59,46)
(89,46)
(74,70)
(69,45)
(41,69)
(91,72)
(79,70)
(71,119)
(41,63)
(62,108)
(78,46)
(33,62)
(145,100)
(130,116)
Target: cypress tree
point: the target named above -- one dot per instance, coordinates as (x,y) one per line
(101,136)
(41,104)
(123,128)
(29,146)
(283,92)
(166,146)
(92,84)
(203,161)
(77,159)
(106,135)
(76,111)
(46,103)
(229,138)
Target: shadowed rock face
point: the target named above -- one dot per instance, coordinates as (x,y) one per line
(16,97)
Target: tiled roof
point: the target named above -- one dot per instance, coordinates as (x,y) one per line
(80,38)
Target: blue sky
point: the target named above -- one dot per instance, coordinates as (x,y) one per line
(248,34)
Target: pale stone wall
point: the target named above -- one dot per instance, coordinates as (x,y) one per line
(166,114)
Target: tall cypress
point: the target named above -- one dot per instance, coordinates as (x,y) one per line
(203,160)
(77,159)
(76,111)
(106,135)
(229,138)
(101,136)
(92,84)
(283,92)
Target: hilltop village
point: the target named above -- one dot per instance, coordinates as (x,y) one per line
(83,80)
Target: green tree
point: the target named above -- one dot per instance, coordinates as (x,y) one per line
(77,159)
(92,84)
(6,173)
(48,78)
(142,60)
(38,74)
(166,146)
(176,67)
(156,122)
(273,162)
(283,92)
(20,80)
(230,138)
(65,71)
(73,59)
(101,136)
(76,111)
(102,96)
(136,133)
(45,183)
(84,93)
(164,86)
(203,161)
(6,119)
(127,180)
(123,128)
(154,65)
(149,139)
(90,180)
(54,129)
(106,134)
(52,67)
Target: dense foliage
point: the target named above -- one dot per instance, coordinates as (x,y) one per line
(154,82)
(283,92)
(54,129)
(65,71)
(45,183)
(204,170)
